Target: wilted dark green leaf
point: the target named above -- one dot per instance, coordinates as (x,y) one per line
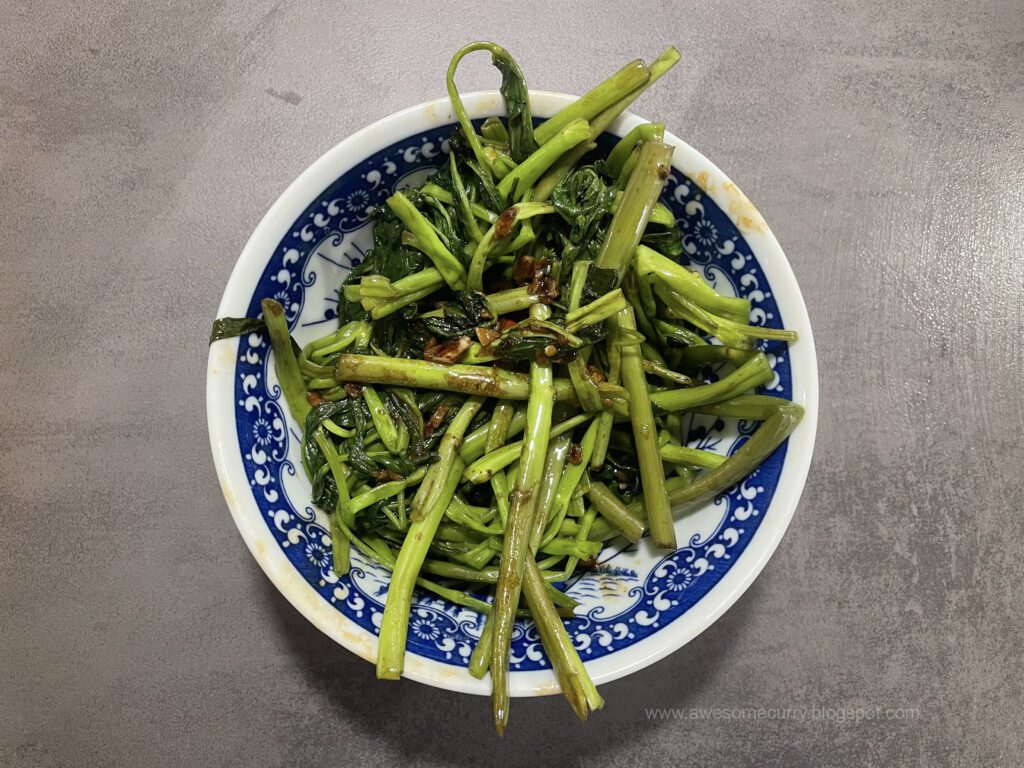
(666,240)
(599,282)
(584,200)
(399,335)
(229,327)
(325,489)
(513,89)
(460,317)
(489,196)
(388,257)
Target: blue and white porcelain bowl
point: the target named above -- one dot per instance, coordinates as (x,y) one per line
(639,604)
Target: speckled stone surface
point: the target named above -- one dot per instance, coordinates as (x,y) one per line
(141,143)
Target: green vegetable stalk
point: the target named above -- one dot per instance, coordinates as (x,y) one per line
(597,100)
(465,379)
(575,682)
(751,374)
(630,220)
(285,363)
(446,472)
(522,504)
(450,268)
(645,437)
(749,457)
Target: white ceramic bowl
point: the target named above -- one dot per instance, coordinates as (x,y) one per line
(639,605)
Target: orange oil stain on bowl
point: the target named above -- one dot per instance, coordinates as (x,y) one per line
(703,180)
(337,625)
(358,644)
(415,665)
(741,210)
(615,588)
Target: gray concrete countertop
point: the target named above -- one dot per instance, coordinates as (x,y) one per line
(141,143)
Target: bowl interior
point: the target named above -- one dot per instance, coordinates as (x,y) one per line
(636,604)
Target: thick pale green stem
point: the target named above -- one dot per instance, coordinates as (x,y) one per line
(750,455)
(752,373)
(522,503)
(690,285)
(286,365)
(564,660)
(502,302)
(516,184)
(425,519)
(600,123)
(395,623)
(391,434)
(558,452)
(481,658)
(481,470)
(624,148)
(752,407)
(422,374)
(681,454)
(615,512)
(596,100)
(645,437)
(449,266)
(630,219)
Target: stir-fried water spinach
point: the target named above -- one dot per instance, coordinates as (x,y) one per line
(514,359)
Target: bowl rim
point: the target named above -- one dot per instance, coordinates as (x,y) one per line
(221,413)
